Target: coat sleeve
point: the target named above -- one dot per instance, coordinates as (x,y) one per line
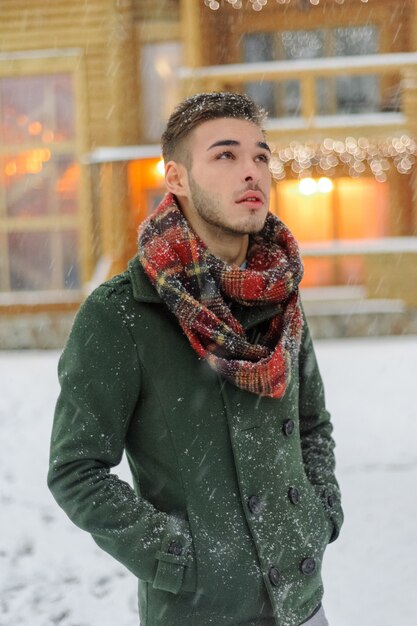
(99,374)
(316,433)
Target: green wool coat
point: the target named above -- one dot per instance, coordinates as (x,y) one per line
(234,499)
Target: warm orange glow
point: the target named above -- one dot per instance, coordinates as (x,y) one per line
(160,167)
(145,174)
(28,162)
(34,160)
(308,216)
(350,209)
(22,120)
(363,209)
(48,136)
(68,183)
(325,185)
(45,154)
(33,165)
(307,186)
(10,169)
(35,128)
(144,179)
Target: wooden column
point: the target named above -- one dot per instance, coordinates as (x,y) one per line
(413,25)
(191,38)
(409,97)
(122,75)
(123,129)
(191,32)
(116,219)
(410,106)
(308,98)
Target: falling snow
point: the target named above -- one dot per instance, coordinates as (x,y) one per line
(53,573)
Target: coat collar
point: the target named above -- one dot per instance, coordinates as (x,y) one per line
(144,291)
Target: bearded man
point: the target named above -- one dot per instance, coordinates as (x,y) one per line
(198,362)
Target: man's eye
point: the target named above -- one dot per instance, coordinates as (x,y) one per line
(225,155)
(263,157)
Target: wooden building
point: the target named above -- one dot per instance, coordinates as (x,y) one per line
(85,89)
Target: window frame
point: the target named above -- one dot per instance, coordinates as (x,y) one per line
(326,88)
(49,63)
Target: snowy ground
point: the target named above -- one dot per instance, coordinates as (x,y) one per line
(51,573)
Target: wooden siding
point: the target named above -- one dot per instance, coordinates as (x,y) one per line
(104,32)
(162,10)
(397,23)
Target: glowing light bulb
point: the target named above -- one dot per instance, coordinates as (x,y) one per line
(307,186)
(325,185)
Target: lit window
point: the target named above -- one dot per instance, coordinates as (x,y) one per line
(40,180)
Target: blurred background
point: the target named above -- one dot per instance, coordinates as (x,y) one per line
(85,90)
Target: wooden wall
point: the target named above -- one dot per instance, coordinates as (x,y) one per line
(396,19)
(152,10)
(104,31)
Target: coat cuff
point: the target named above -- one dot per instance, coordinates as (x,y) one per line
(329,496)
(176,569)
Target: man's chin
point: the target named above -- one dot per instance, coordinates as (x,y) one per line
(251,227)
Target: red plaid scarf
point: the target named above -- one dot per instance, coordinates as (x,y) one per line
(196,286)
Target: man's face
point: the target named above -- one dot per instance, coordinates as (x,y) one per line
(229,178)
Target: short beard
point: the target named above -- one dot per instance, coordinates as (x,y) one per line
(210,211)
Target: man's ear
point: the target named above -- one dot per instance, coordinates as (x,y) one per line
(176,178)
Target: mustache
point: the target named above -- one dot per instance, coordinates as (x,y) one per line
(252,187)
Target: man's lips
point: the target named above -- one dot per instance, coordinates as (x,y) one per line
(254,198)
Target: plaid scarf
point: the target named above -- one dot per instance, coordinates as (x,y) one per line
(200,289)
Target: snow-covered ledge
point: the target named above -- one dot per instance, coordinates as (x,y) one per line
(282,70)
(382,121)
(382,245)
(36,298)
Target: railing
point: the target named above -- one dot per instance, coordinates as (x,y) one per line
(307,72)
(344,247)
(391,267)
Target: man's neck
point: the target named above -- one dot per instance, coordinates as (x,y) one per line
(231,249)
(227,246)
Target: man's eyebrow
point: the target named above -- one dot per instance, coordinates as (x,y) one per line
(264,145)
(233,142)
(224,142)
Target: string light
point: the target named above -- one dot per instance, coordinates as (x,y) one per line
(355,155)
(258,5)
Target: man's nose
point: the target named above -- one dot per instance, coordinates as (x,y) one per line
(251,172)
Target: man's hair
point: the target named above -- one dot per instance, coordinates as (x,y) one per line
(200,108)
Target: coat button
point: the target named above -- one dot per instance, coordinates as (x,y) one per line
(254,504)
(175,548)
(288,427)
(294,495)
(308,566)
(274,576)
(331,500)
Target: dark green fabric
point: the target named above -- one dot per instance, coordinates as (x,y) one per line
(198,448)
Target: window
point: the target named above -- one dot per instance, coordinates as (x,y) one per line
(348,94)
(160,86)
(356,94)
(39,181)
(334,212)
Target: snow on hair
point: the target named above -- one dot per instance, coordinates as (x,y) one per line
(201,107)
